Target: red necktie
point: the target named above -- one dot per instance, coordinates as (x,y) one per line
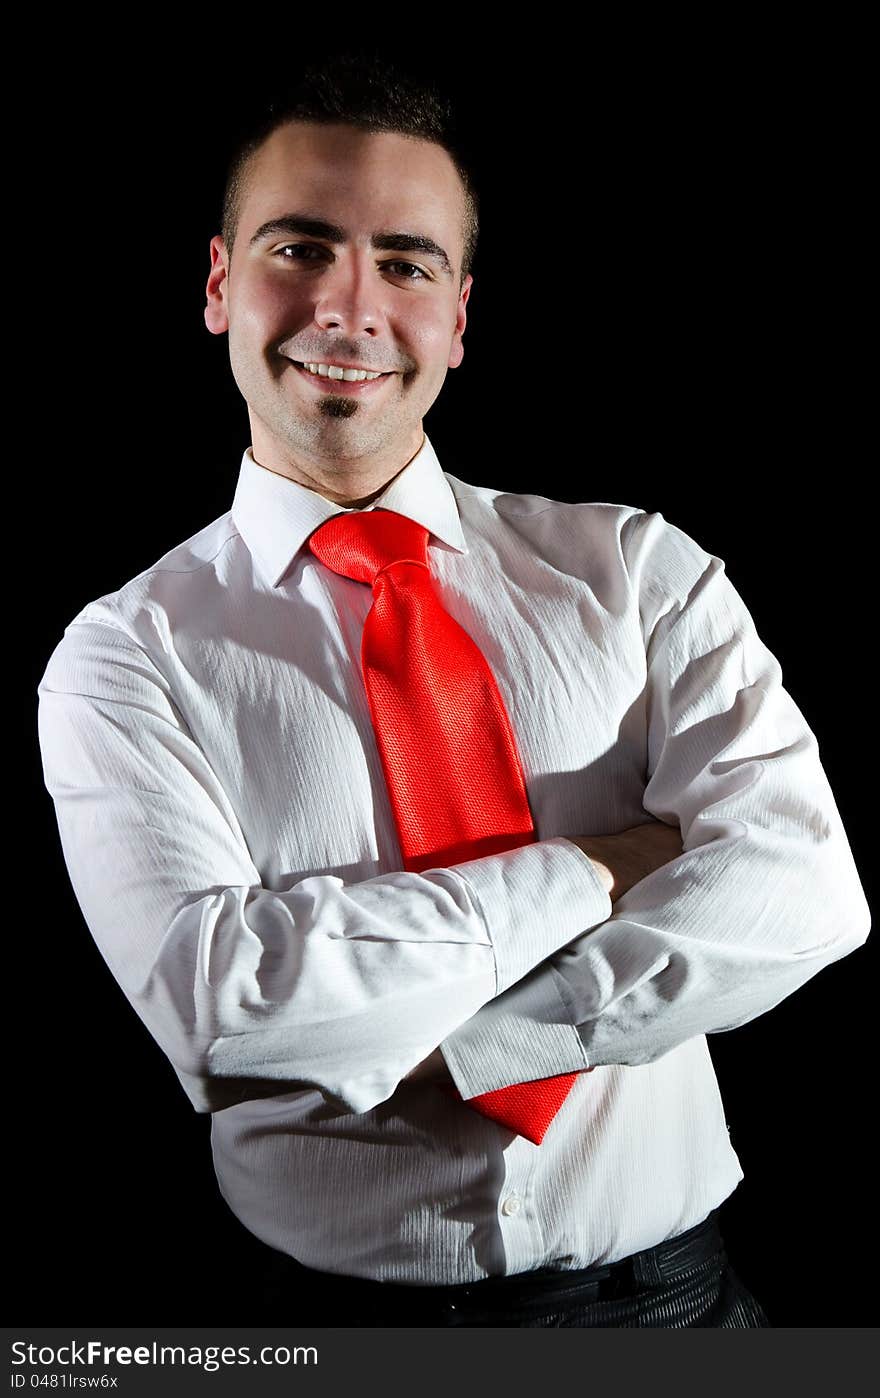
(444,737)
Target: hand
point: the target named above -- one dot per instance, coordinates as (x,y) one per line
(623,859)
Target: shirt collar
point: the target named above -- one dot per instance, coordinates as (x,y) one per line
(275,515)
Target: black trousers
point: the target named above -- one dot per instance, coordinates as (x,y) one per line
(685,1281)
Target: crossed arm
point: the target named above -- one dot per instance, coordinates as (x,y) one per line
(763,894)
(620,860)
(509,968)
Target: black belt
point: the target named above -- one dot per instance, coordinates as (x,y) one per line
(524,1291)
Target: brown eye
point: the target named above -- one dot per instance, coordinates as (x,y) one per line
(308,247)
(410,265)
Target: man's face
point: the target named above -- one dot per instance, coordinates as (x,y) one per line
(312,295)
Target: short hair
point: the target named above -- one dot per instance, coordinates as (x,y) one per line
(368,90)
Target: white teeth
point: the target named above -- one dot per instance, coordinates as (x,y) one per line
(332,371)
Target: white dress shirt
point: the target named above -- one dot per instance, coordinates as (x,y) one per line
(224,819)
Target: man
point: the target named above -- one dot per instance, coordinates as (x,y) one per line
(226,819)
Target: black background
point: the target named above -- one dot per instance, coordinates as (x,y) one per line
(666,312)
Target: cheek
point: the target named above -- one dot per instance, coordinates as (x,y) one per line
(266,308)
(430,336)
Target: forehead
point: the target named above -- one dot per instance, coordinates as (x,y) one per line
(359,178)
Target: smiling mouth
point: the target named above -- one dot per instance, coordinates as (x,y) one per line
(358,387)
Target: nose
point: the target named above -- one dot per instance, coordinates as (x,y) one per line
(350,295)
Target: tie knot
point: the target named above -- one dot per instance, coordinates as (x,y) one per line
(361,544)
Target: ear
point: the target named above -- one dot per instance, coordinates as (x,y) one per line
(456,352)
(216,309)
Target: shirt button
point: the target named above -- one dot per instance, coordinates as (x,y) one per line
(511,1205)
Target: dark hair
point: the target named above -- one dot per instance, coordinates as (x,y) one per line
(368,90)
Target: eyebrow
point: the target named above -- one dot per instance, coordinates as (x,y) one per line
(309,227)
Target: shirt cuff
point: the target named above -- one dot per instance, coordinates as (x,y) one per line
(534,899)
(527,1033)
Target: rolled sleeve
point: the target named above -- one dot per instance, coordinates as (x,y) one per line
(528,1032)
(534,900)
